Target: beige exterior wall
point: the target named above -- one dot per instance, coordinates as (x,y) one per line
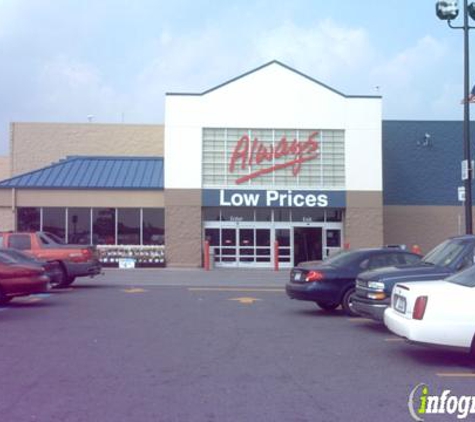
(54,141)
(7,219)
(425,226)
(364,219)
(106,198)
(183,236)
(4,167)
(82,198)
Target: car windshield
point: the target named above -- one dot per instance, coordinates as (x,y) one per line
(342,259)
(54,238)
(464,278)
(445,253)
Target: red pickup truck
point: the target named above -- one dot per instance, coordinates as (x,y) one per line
(71,260)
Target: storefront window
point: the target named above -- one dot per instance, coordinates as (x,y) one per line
(128,226)
(334,215)
(79,226)
(153,226)
(103,231)
(28,219)
(334,238)
(54,221)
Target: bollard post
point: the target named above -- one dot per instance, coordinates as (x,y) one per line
(276,255)
(206,253)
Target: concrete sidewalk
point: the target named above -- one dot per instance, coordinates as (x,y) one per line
(195,277)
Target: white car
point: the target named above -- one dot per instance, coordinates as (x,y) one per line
(438,312)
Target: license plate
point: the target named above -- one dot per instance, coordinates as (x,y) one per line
(297,276)
(400,304)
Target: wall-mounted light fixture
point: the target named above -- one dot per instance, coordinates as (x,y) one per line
(425,141)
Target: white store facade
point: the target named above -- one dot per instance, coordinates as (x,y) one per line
(272,155)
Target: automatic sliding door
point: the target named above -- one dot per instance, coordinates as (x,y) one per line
(246,245)
(283,237)
(228,245)
(241,246)
(263,246)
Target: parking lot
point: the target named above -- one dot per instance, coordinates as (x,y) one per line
(189,345)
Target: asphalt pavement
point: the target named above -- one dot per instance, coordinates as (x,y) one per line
(176,345)
(197,277)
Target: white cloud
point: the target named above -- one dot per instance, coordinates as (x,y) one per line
(412,81)
(327,49)
(71,90)
(52,73)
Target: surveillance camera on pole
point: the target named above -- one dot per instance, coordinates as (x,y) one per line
(447,10)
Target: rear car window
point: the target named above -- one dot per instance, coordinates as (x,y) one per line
(379,261)
(408,259)
(464,278)
(20,241)
(44,240)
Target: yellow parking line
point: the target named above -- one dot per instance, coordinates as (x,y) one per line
(394,339)
(134,290)
(233,289)
(457,374)
(358,319)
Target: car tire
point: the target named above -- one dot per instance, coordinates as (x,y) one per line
(346,303)
(326,306)
(62,279)
(70,280)
(472,352)
(4,299)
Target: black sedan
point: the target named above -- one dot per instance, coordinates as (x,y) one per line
(331,283)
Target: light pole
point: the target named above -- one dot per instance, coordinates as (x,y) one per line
(448,10)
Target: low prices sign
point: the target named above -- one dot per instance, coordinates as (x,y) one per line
(248,154)
(273,198)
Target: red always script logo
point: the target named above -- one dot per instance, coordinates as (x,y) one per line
(247,154)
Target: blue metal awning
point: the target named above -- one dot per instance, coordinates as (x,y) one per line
(85,172)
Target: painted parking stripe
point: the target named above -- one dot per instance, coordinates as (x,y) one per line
(246,300)
(358,319)
(134,290)
(394,339)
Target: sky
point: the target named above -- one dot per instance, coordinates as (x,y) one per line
(67,60)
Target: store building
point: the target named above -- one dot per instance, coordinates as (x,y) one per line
(88,184)
(270,156)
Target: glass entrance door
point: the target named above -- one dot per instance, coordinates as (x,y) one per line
(240,246)
(228,246)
